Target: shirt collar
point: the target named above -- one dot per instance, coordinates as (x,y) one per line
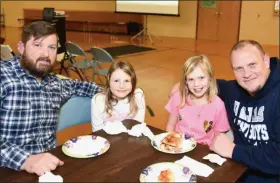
(20,72)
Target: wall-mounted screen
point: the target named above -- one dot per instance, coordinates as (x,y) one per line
(148,7)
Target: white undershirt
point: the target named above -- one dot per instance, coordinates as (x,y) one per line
(120,111)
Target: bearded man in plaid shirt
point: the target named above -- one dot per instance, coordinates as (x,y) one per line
(30,99)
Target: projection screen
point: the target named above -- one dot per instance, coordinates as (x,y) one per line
(148,7)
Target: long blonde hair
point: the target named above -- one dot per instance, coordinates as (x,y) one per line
(203,62)
(110,101)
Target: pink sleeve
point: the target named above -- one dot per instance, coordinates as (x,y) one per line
(221,119)
(172,104)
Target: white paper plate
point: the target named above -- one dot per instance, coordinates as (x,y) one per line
(181,173)
(86,146)
(188,144)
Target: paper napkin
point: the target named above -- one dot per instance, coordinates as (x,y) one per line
(215,158)
(196,167)
(115,127)
(141,129)
(49,177)
(148,133)
(137,130)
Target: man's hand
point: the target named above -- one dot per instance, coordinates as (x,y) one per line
(174,89)
(41,163)
(222,145)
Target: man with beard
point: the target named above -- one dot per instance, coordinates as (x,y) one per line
(253,107)
(30,99)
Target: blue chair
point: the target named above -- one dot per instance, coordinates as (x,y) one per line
(77,110)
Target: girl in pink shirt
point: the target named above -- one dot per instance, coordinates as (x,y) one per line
(196,109)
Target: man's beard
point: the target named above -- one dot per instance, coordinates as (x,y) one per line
(32,68)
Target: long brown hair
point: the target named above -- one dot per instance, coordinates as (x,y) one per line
(203,62)
(110,101)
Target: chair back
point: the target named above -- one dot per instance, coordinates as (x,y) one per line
(77,110)
(74,50)
(101,55)
(6,52)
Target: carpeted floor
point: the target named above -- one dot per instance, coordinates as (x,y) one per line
(126,49)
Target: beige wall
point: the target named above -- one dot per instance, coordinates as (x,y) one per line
(257,20)
(259,23)
(183,26)
(14,9)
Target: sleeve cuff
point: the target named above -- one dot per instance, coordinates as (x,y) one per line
(22,160)
(16,159)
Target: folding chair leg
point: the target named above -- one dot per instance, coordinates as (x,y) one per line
(93,76)
(62,67)
(100,79)
(77,71)
(60,70)
(98,64)
(66,72)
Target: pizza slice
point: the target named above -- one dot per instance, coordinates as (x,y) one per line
(166,176)
(173,139)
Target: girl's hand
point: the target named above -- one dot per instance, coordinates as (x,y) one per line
(222,145)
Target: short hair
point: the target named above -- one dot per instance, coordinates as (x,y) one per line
(243,43)
(109,99)
(37,30)
(203,62)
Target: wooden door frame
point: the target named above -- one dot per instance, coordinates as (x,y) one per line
(197,14)
(239,20)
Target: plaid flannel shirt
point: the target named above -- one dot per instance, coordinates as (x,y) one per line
(29,111)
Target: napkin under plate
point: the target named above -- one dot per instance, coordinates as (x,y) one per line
(196,167)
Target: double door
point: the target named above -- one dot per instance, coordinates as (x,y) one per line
(218,20)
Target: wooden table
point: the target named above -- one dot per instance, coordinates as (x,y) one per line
(124,162)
